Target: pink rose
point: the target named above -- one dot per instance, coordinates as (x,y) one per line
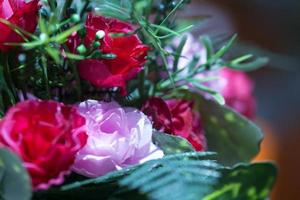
(117,137)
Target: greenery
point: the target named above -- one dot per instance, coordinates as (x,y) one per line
(12,176)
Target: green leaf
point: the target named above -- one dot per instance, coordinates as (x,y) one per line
(164,29)
(74,56)
(221,52)
(120,9)
(201,87)
(54,53)
(61,38)
(170,144)
(249,66)
(186,176)
(235,138)
(15,183)
(251,182)
(208,46)
(16,29)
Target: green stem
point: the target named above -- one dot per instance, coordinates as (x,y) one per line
(142,85)
(75,72)
(86,4)
(52,5)
(170,14)
(9,78)
(45,73)
(67,5)
(78,81)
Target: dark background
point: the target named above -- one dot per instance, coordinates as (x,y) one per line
(268,28)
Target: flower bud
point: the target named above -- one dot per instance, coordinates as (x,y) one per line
(43,37)
(109,56)
(99,35)
(75,18)
(81,49)
(96,44)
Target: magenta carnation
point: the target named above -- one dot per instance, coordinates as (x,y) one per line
(117,137)
(46,135)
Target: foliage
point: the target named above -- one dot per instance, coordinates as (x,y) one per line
(12,176)
(235,138)
(245,181)
(171,144)
(186,175)
(152,180)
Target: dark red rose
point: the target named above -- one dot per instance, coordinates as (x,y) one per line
(129,50)
(23,14)
(237,90)
(46,135)
(176,117)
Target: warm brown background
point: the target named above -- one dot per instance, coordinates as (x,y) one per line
(270,28)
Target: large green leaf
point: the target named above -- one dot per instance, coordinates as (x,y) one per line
(185,176)
(15,183)
(235,138)
(170,144)
(251,182)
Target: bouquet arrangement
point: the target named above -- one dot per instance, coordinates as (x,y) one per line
(116,99)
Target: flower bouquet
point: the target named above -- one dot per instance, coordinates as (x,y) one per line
(116,99)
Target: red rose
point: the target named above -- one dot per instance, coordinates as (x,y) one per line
(129,50)
(46,135)
(238,91)
(176,117)
(21,13)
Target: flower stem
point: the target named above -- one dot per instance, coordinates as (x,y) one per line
(67,4)
(9,78)
(86,4)
(45,73)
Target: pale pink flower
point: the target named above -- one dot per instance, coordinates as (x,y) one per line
(117,137)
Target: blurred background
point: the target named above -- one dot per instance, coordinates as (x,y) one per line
(267,28)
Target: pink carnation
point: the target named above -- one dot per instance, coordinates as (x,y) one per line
(237,89)
(117,137)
